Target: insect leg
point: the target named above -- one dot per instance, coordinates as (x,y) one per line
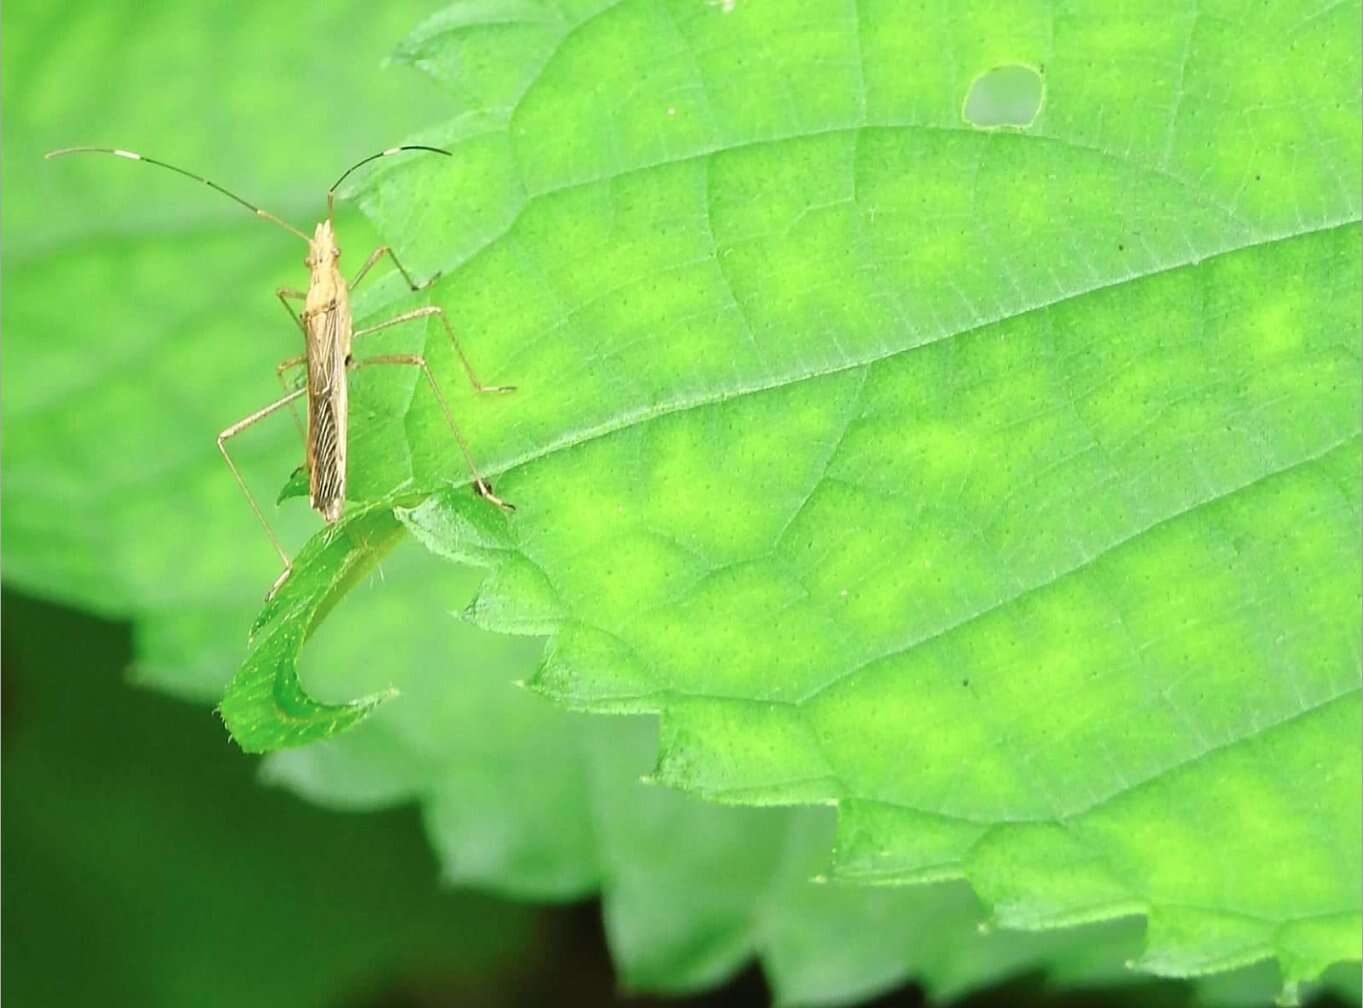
(279,370)
(379,253)
(480,485)
(425,312)
(284,294)
(233,431)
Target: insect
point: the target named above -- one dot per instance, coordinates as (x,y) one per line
(327,337)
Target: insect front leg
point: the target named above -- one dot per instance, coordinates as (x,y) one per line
(232,432)
(285,294)
(480,485)
(379,253)
(279,370)
(426,312)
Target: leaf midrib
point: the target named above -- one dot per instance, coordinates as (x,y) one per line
(647,413)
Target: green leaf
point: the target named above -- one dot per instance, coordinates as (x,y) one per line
(264,707)
(998,486)
(297,485)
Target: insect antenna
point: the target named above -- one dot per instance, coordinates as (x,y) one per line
(331,193)
(132,156)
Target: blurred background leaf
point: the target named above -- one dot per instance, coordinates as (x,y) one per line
(140,307)
(144,866)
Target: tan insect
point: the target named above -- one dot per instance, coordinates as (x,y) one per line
(327,337)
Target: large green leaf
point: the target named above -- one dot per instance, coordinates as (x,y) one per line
(1000,487)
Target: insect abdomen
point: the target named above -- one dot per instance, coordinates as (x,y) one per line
(327,478)
(327,417)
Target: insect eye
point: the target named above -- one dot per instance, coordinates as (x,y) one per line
(335,253)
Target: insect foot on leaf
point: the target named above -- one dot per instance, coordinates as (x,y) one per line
(484,489)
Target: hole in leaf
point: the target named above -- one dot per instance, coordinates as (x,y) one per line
(1004,96)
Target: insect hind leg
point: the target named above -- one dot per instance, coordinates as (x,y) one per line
(232,432)
(480,485)
(426,312)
